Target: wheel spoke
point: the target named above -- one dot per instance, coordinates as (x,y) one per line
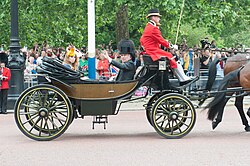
(52,100)
(46,124)
(178,126)
(162,120)
(30,106)
(39,96)
(188,117)
(164,109)
(182,122)
(28,113)
(35,124)
(58,105)
(59,112)
(53,124)
(183,111)
(58,118)
(40,128)
(168,124)
(31,118)
(45,99)
(172,128)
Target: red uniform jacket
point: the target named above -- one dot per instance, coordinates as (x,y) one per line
(5,82)
(151,40)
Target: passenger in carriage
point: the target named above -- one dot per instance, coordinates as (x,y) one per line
(127,68)
(151,40)
(71,59)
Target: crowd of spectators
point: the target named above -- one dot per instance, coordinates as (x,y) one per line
(206,52)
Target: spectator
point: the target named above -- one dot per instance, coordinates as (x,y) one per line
(83,64)
(213,44)
(184,45)
(5,76)
(219,66)
(205,60)
(30,66)
(205,44)
(139,61)
(2,48)
(39,59)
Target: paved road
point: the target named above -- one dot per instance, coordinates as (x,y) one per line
(129,140)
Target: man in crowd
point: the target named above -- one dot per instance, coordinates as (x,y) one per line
(151,40)
(4,82)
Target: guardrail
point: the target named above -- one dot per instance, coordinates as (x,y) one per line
(30,80)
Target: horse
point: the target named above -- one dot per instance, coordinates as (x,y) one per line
(237,74)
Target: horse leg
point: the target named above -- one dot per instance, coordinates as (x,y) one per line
(219,116)
(239,106)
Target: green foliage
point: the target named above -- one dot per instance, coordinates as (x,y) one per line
(65,21)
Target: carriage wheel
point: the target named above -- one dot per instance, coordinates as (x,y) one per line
(173,116)
(43,112)
(149,107)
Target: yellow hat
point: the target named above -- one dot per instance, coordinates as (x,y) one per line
(71,52)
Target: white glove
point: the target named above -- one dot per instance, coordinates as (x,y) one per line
(175,47)
(105,54)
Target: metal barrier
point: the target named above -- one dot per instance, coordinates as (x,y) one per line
(30,80)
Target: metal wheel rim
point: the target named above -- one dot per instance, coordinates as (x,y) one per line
(173,116)
(43,113)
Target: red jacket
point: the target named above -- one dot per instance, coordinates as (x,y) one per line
(103,68)
(5,82)
(151,40)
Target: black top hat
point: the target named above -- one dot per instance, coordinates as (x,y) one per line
(126,46)
(4,58)
(153,12)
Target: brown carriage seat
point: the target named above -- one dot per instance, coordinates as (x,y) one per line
(153,65)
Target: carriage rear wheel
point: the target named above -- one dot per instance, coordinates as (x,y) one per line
(43,112)
(173,116)
(149,107)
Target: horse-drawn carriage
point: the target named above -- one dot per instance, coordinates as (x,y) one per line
(44,112)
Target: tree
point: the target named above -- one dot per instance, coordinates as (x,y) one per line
(65,21)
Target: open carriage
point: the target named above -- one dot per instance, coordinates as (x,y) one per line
(44,112)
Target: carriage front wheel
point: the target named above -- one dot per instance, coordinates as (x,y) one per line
(173,116)
(43,112)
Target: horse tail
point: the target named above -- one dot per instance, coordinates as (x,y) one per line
(219,97)
(212,74)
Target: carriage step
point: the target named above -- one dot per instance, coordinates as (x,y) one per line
(100,119)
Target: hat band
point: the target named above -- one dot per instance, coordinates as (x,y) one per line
(153,14)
